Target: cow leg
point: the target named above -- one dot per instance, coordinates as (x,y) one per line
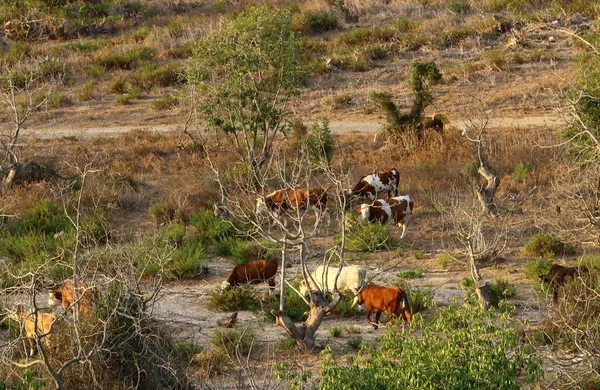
(369,310)
(271,286)
(31,343)
(377,316)
(403,226)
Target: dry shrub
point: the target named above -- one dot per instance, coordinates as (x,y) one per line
(209,364)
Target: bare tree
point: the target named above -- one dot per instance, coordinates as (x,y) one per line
(24,91)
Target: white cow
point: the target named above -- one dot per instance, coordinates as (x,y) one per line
(351,279)
(393,210)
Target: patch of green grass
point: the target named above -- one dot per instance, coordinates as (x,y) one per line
(129,59)
(444,260)
(86,92)
(233,341)
(413,274)
(355,342)
(315,21)
(117,85)
(496,60)
(335,331)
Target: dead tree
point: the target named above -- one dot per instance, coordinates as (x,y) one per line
(286,172)
(486,191)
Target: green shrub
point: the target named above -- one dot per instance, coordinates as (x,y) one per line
(545,245)
(86,92)
(164,102)
(315,21)
(231,299)
(368,237)
(335,331)
(355,342)
(152,75)
(187,260)
(460,7)
(286,343)
(521,171)
(57,100)
(95,71)
(500,290)
(211,229)
(463,348)
(410,274)
(496,60)
(444,260)
(318,144)
(345,308)
(536,268)
(129,59)
(123,99)
(117,85)
(420,298)
(234,342)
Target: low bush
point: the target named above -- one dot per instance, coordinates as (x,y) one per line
(187,260)
(463,348)
(211,229)
(117,85)
(536,268)
(86,92)
(546,245)
(368,237)
(234,342)
(315,22)
(231,299)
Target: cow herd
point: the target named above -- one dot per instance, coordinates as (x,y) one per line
(281,205)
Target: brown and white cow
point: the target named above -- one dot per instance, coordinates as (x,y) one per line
(397,210)
(283,203)
(557,277)
(34,325)
(384,299)
(351,279)
(254,272)
(65,296)
(372,186)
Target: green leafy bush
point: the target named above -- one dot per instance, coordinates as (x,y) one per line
(546,245)
(463,348)
(318,144)
(187,260)
(536,268)
(211,229)
(368,237)
(231,299)
(521,171)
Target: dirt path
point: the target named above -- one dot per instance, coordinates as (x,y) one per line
(548,121)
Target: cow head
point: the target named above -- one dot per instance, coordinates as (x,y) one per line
(365,211)
(303,288)
(54,298)
(220,210)
(225,285)
(261,207)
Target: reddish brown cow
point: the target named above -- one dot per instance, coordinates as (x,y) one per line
(557,276)
(65,295)
(253,272)
(380,298)
(397,210)
(286,201)
(371,186)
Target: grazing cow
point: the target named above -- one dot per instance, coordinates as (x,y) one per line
(351,278)
(381,298)
(29,320)
(220,210)
(557,276)
(65,295)
(371,186)
(397,210)
(253,272)
(432,122)
(286,201)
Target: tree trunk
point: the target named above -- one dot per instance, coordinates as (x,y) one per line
(486,193)
(484,293)
(304,334)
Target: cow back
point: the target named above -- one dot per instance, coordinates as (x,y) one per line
(252,272)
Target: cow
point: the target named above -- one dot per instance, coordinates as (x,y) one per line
(397,210)
(254,272)
(434,122)
(381,299)
(35,325)
(371,186)
(557,276)
(65,295)
(351,279)
(283,202)
(220,210)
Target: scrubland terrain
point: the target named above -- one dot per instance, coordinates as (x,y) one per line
(127,205)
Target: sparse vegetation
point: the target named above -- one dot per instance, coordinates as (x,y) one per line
(546,245)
